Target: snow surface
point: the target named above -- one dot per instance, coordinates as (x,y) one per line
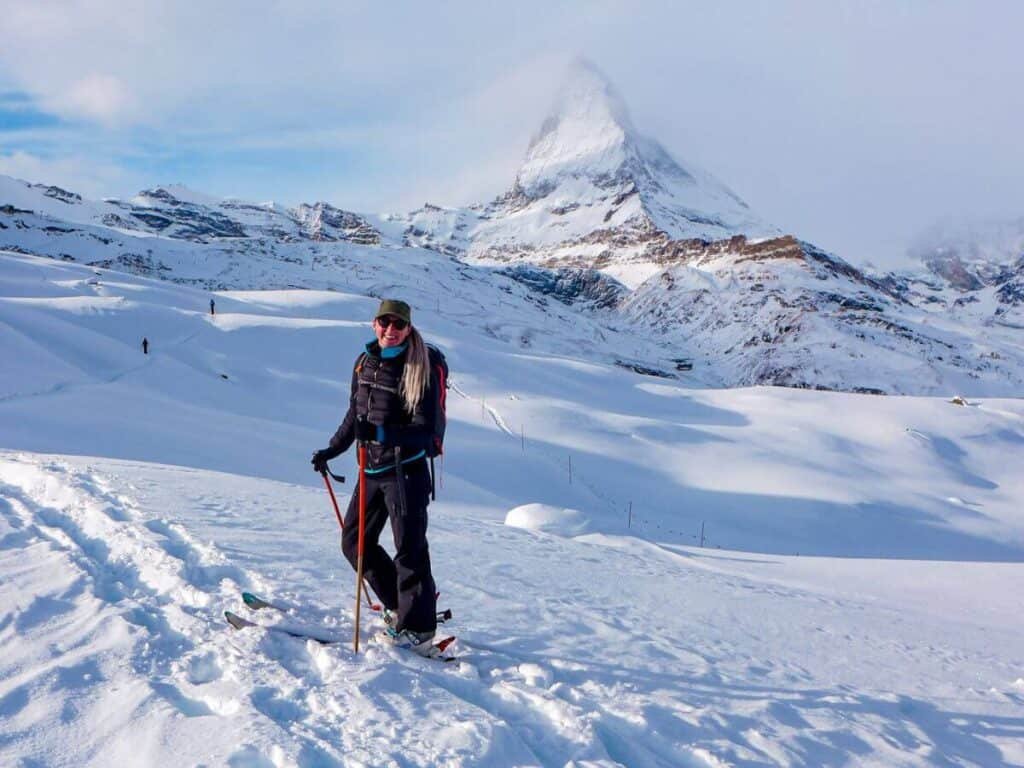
(857,600)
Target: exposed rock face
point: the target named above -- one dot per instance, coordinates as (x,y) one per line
(982,262)
(179,213)
(970,255)
(323,222)
(951,269)
(1012,292)
(440,229)
(571,286)
(159,210)
(62,195)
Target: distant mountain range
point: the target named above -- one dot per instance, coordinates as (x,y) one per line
(604,220)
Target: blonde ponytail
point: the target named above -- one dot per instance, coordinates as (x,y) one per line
(416,375)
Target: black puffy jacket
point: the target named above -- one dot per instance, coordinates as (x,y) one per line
(376,397)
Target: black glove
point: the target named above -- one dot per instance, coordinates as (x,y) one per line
(365,431)
(321,457)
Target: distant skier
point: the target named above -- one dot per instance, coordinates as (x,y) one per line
(145,345)
(213,308)
(396,409)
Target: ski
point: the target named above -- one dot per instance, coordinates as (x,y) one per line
(321,635)
(257,603)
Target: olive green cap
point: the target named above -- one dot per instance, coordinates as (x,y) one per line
(394,307)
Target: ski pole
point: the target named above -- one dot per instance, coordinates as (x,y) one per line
(362,531)
(334,501)
(341,522)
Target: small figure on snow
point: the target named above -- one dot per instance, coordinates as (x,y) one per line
(396,413)
(145,345)
(213,307)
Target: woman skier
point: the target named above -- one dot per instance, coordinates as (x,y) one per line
(396,393)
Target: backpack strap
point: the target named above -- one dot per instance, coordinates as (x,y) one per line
(442,385)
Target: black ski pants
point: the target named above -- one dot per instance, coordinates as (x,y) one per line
(404,584)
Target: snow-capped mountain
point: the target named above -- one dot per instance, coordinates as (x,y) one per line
(620,235)
(729,312)
(180,213)
(593,192)
(977,269)
(970,255)
(786,312)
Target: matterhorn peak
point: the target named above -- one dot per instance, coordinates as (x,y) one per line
(587,131)
(588,97)
(589,177)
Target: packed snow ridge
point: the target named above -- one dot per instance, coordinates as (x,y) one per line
(603,221)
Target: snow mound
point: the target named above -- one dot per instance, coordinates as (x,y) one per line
(543,517)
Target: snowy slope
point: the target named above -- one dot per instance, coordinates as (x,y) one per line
(857,600)
(785,312)
(738,311)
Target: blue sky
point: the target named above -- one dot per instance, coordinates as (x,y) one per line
(853,124)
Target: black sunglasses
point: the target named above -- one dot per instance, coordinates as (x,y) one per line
(386,320)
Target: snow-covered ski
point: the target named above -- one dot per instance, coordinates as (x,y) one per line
(324,635)
(320,635)
(257,603)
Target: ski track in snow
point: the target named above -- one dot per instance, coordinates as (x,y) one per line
(110,580)
(164,591)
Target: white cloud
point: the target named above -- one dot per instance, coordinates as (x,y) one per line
(99,97)
(84,175)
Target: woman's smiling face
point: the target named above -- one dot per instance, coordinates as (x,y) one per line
(391,331)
